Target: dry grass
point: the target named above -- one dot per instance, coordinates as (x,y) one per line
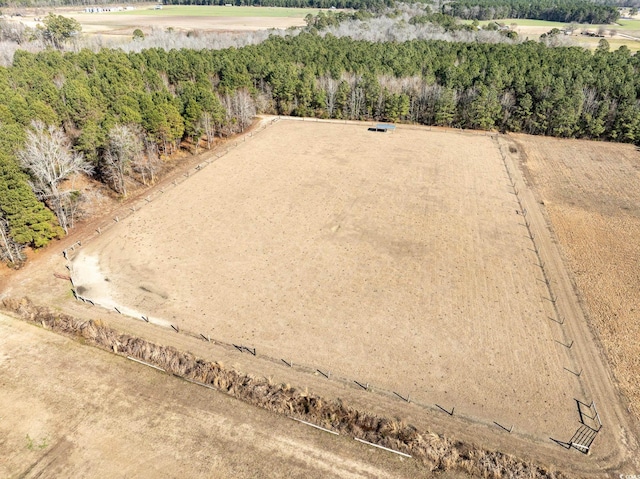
(435,452)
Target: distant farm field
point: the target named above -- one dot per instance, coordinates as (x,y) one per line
(219,11)
(626,32)
(626,24)
(400,260)
(186,18)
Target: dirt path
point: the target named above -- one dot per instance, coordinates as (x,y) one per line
(595,376)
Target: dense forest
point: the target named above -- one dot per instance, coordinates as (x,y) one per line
(112,114)
(578,11)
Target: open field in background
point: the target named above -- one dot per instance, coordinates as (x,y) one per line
(626,32)
(237,19)
(398,260)
(68,410)
(205,18)
(218,11)
(626,24)
(591,192)
(614,43)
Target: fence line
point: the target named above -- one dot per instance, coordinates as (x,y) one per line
(545,273)
(290,364)
(146,363)
(213,156)
(300,367)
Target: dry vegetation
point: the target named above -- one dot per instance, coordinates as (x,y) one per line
(70,410)
(591,192)
(436,453)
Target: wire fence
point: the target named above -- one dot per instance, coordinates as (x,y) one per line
(356,384)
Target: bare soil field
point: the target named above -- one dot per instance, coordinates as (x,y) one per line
(207,19)
(68,410)
(591,193)
(124,25)
(398,260)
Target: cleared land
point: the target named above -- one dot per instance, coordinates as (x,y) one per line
(204,18)
(68,410)
(398,260)
(591,193)
(219,11)
(476,164)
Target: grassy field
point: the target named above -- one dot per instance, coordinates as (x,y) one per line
(185,18)
(525,22)
(220,11)
(621,31)
(626,25)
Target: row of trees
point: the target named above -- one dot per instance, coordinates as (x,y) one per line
(351,4)
(579,11)
(111,114)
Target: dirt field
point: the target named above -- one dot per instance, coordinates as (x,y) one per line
(186,18)
(398,260)
(591,193)
(383,238)
(68,410)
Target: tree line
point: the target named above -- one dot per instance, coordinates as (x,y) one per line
(113,114)
(567,11)
(347,4)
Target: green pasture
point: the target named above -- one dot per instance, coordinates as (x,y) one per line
(627,25)
(219,11)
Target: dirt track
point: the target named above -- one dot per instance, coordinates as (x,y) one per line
(591,195)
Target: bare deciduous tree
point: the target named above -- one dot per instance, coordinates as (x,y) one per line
(148,165)
(208,127)
(10,251)
(240,110)
(123,149)
(330,87)
(49,159)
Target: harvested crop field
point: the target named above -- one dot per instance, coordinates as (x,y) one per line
(401,260)
(185,18)
(591,192)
